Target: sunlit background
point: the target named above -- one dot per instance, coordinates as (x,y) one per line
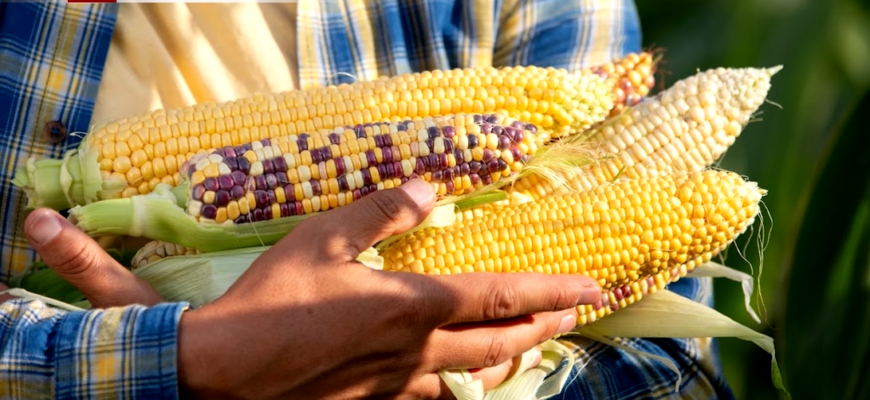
(813,155)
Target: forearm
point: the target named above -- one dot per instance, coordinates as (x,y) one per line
(125,352)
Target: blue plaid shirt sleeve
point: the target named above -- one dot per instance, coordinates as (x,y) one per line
(51,60)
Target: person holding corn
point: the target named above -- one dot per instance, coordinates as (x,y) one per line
(305,321)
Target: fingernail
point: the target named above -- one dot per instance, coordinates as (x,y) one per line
(589,294)
(568,323)
(45,228)
(419,190)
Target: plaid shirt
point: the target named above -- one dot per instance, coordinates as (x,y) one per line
(51,60)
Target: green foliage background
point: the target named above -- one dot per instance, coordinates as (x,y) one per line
(813,155)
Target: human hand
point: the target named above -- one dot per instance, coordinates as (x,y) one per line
(78,259)
(307,321)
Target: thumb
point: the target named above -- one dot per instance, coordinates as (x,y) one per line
(82,262)
(343,233)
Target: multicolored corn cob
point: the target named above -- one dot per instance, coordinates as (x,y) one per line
(685,128)
(302,174)
(633,236)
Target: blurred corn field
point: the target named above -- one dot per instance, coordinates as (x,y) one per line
(812,151)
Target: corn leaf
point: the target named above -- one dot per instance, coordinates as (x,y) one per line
(665,314)
(716,270)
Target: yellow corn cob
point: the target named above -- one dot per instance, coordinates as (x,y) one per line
(633,236)
(685,128)
(132,156)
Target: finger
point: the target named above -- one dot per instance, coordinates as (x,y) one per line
(492,377)
(482,345)
(78,259)
(490,296)
(344,232)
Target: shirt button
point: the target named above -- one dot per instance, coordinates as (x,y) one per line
(54,132)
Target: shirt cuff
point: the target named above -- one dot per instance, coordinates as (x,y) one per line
(128,352)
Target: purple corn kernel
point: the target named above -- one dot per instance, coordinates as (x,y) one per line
(260,182)
(271,181)
(614,306)
(502,165)
(210,184)
(450,187)
(190,168)
(492,165)
(405,179)
(517,124)
(414,175)
(474,178)
(367,175)
(316,188)
(426,163)
(232,163)
(209,211)
(434,163)
(379,140)
(304,136)
(257,215)
(472,141)
(262,198)
(365,191)
(359,130)
(448,146)
(225,182)
(237,192)
(626,291)
(434,132)
(342,183)
(272,198)
(334,138)
(397,166)
(239,150)
(388,140)
(299,209)
(266,142)
(442,158)
(340,168)
(449,132)
(357,194)
(492,118)
(519,136)
(486,128)
(382,171)
(387,154)
(222,198)
(280,164)
(464,169)
(478,118)
(242,219)
(518,155)
(420,168)
(498,130)
(474,167)
(430,143)
(531,128)
(504,142)
(448,174)
(219,152)
(316,157)
(281,178)
(618,294)
(391,172)
(459,156)
(302,143)
(370,157)
(197,192)
(268,167)
(285,210)
(509,132)
(230,152)
(402,127)
(326,152)
(246,146)
(488,155)
(437,176)
(290,192)
(244,164)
